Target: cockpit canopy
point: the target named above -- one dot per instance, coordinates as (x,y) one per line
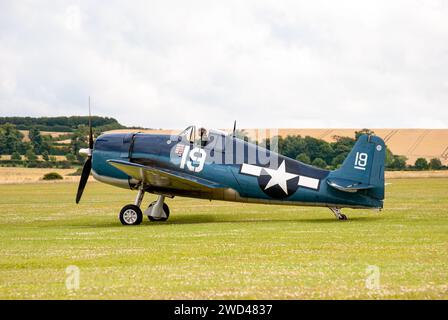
(201,135)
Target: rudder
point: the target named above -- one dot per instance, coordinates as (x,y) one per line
(365,166)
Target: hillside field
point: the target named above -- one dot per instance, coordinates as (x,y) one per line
(13,175)
(222,250)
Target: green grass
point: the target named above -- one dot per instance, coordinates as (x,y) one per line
(220,249)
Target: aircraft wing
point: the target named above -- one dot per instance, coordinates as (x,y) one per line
(165,178)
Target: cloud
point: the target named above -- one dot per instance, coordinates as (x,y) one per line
(265,63)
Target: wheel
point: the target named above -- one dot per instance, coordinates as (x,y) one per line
(131,215)
(166,209)
(343,217)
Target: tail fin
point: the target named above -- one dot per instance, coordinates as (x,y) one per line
(363,169)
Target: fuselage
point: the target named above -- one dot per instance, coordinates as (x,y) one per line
(250,172)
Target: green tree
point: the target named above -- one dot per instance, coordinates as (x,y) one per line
(389,158)
(15,156)
(435,164)
(30,156)
(10,139)
(70,157)
(342,145)
(2,141)
(421,164)
(46,143)
(78,141)
(338,160)
(291,146)
(341,148)
(317,148)
(45,156)
(399,162)
(35,139)
(303,157)
(320,163)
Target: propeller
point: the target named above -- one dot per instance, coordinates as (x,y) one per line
(88,164)
(234,128)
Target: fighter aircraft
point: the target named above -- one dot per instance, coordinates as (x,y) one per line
(215,165)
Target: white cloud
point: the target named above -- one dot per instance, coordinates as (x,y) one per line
(264,63)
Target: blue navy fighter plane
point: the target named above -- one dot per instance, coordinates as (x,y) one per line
(214,165)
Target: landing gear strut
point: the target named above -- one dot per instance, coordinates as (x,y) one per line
(131,214)
(338,213)
(158,210)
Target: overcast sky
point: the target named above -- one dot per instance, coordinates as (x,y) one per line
(265,63)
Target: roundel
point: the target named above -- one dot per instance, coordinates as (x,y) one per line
(279,182)
(277,190)
(282,179)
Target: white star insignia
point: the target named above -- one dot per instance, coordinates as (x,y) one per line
(279,177)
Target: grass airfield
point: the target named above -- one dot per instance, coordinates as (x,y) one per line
(221,250)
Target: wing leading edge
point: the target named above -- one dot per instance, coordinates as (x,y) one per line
(165,178)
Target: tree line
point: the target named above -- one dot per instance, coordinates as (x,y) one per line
(25,153)
(61,124)
(331,155)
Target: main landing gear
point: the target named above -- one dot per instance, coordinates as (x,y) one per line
(131,214)
(338,213)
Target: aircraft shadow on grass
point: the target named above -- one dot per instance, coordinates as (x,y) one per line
(210,219)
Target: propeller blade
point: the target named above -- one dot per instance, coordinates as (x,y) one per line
(84,176)
(88,164)
(90,129)
(234,128)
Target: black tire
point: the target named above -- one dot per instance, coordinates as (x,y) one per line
(166,209)
(131,215)
(343,217)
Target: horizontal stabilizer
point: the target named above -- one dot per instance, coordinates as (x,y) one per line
(348,185)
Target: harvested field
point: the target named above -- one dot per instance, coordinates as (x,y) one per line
(39,157)
(11,175)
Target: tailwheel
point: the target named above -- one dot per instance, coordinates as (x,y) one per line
(338,213)
(131,215)
(163,215)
